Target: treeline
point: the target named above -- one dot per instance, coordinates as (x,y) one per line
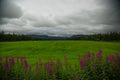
(14,37)
(111,36)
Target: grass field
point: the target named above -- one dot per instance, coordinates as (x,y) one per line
(55,49)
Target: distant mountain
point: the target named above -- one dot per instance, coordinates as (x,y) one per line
(47,37)
(77,35)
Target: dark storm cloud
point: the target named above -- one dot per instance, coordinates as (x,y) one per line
(8,9)
(113,16)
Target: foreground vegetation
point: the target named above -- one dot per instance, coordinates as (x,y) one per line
(89,67)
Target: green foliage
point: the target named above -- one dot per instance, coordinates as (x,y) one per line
(111,36)
(14,37)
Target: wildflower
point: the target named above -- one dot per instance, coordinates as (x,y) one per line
(6,65)
(88,55)
(48,68)
(11,59)
(119,58)
(99,54)
(109,58)
(25,63)
(82,63)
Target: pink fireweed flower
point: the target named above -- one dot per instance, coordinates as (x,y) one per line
(113,59)
(109,58)
(11,60)
(88,55)
(48,68)
(6,65)
(82,63)
(119,58)
(25,63)
(99,54)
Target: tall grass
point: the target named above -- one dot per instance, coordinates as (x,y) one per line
(90,66)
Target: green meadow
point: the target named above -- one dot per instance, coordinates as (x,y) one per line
(56,49)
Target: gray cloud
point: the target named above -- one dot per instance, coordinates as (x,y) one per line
(8,9)
(74,17)
(101,20)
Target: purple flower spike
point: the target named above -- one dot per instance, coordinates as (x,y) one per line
(89,55)
(11,60)
(82,63)
(25,64)
(48,68)
(6,65)
(107,57)
(99,54)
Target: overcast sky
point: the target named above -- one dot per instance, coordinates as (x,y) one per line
(59,17)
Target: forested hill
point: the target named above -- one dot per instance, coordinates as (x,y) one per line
(14,37)
(111,36)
